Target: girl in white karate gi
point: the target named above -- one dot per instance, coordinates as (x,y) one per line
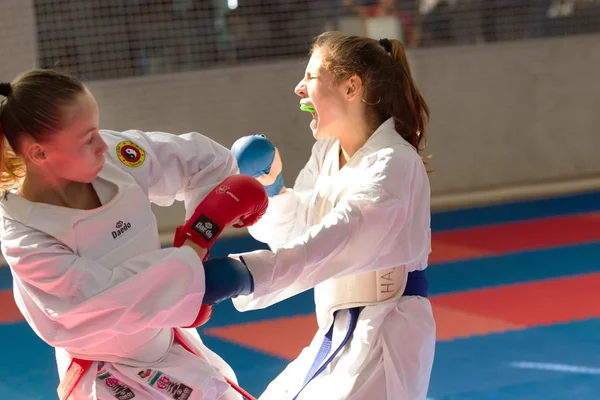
(79,234)
(355,227)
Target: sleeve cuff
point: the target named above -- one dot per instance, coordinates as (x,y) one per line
(260,266)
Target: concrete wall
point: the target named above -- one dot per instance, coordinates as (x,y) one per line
(507,117)
(17,39)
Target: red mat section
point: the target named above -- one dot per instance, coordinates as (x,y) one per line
(536,303)
(515,237)
(9,312)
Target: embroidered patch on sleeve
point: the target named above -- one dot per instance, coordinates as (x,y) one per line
(130,154)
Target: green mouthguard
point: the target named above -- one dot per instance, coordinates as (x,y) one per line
(307,108)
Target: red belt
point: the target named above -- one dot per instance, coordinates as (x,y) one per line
(78,368)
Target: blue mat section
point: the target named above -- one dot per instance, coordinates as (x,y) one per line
(514,268)
(28,367)
(481,367)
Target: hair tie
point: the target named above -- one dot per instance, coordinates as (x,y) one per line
(386,45)
(5,89)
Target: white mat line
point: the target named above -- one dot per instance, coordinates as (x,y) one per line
(572,369)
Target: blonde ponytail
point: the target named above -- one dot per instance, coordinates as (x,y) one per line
(12,166)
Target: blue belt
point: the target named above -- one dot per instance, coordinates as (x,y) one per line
(416,285)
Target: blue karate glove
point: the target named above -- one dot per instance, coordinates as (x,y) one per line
(255,155)
(226,278)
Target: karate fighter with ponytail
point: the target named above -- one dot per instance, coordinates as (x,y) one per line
(82,243)
(355,226)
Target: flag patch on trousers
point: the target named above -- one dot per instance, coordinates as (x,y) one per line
(119,390)
(166,384)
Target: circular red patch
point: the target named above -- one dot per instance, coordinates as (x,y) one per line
(130,153)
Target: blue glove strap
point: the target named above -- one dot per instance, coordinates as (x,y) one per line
(274,188)
(226,278)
